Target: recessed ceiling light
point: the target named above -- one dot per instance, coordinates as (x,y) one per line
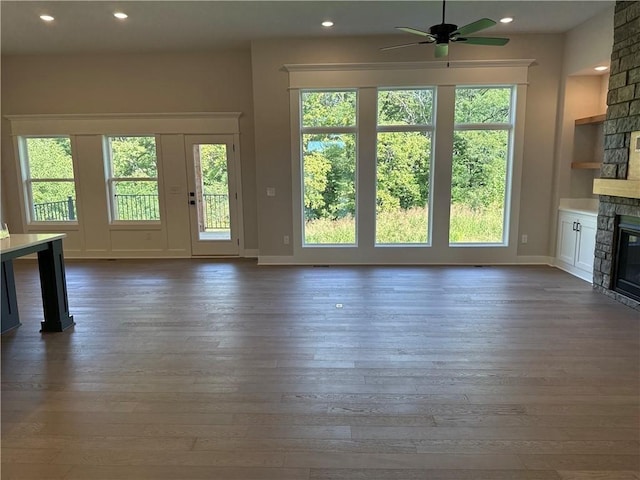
(120,15)
(506,20)
(47,18)
(327,23)
(601,68)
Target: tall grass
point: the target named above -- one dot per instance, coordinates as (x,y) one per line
(327,231)
(408,226)
(468,225)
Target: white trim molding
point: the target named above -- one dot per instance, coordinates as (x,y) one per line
(397,74)
(125,123)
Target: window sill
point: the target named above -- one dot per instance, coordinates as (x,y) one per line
(133,225)
(49,226)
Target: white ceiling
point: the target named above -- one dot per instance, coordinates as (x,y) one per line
(172,26)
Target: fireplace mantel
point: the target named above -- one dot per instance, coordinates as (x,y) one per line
(617,188)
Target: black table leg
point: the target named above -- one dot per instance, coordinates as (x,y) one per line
(54,288)
(10,317)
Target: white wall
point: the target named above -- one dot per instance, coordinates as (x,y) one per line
(583,93)
(589,44)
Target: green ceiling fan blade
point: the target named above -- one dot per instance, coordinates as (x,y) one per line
(392,47)
(442,50)
(415,31)
(473,27)
(493,41)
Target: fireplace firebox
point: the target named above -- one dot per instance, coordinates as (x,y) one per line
(627,266)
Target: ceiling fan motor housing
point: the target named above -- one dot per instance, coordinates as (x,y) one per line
(442,32)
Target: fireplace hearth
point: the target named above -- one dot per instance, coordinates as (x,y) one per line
(626,278)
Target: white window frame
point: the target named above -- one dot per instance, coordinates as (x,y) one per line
(111,181)
(28,181)
(367,78)
(353,129)
(489,126)
(430,128)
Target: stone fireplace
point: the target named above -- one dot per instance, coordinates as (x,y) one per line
(623,117)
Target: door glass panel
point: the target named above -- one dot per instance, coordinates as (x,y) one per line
(212,191)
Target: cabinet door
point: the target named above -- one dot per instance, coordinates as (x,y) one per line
(586,243)
(566,247)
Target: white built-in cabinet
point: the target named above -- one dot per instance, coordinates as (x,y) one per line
(576,241)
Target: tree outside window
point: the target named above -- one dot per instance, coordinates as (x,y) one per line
(329,166)
(133,178)
(403,164)
(49,178)
(481,159)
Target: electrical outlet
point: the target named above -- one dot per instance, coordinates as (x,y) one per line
(525,238)
(286,239)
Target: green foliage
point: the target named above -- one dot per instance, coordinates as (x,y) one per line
(50,158)
(479,164)
(329,175)
(483,105)
(213,164)
(322,231)
(410,226)
(133,157)
(400,226)
(403,163)
(329,109)
(405,107)
(468,225)
(479,168)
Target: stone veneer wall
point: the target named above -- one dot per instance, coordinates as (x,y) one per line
(623,117)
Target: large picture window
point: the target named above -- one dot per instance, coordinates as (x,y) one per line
(132,177)
(328,139)
(49,179)
(481,161)
(403,164)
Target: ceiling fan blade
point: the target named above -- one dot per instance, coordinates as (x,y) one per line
(415,31)
(442,50)
(498,42)
(403,45)
(473,27)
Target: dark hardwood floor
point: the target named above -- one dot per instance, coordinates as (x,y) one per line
(202,369)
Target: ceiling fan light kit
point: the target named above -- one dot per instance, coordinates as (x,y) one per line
(445,33)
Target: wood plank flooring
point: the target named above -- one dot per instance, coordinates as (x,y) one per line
(203,369)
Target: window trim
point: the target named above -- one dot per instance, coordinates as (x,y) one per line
(509,127)
(367,78)
(349,130)
(421,127)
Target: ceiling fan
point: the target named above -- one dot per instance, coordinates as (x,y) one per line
(444,33)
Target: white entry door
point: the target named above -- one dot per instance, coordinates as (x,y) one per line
(214,194)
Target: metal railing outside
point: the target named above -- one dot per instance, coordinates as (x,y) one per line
(61,211)
(216,211)
(137,207)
